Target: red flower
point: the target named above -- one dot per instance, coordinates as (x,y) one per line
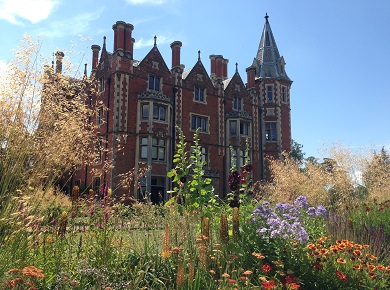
(318,266)
(289,279)
(266,268)
(268,284)
(341,275)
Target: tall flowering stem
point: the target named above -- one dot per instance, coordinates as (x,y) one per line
(224,234)
(166,250)
(236,224)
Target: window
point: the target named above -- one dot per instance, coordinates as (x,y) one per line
(101,84)
(145,111)
(199,94)
(244,128)
(242,158)
(144,148)
(269,94)
(199,122)
(159,112)
(154,83)
(158,149)
(96,185)
(98,151)
(284,94)
(233,127)
(270,131)
(99,116)
(237,103)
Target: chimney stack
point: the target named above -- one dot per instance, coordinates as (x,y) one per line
(95,56)
(212,63)
(129,41)
(59,56)
(251,73)
(119,35)
(218,66)
(225,62)
(175,46)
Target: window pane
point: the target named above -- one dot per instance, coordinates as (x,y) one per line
(161,153)
(161,142)
(144,152)
(201,95)
(144,141)
(154,153)
(155,112)
(196,93)
(154,142)
(162,113)
(145,111)
(193,122)
(157,84)
(233,127)
(151,83)
(204,127)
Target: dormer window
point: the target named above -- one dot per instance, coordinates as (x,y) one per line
(237,103)
(154,83)
(199,94)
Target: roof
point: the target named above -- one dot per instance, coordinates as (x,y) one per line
(268,62)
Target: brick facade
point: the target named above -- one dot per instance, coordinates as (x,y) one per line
(146,99)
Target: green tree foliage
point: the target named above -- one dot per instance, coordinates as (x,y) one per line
(296,151)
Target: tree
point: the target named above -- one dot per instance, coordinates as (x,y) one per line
(296,151)
(376,176)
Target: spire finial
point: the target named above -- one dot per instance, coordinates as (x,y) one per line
(155,41)
(52,62)
(198,55)
(266,17)
(104,42)
(236,67)
(85,69)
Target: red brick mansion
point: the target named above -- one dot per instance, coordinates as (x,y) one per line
(147,99)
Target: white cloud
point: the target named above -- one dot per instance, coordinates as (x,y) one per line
(31,10)
(142,2)
(150,42)
(76,25)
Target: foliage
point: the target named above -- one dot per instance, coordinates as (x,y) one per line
(192,187)
(376,176)
(296,151)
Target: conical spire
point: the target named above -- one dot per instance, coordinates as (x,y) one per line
(268,62)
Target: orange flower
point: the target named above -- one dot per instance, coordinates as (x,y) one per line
(268,284)
(212,272)
(357,267)
(380,267)
(247,272)
(371,267)
(244,278)
(372,257)
(259,256)
(225,275)
(366,246)
(266,267)
(356,253)
(293,286)
(358,246)
(33,272)
(341,261)
(372,275)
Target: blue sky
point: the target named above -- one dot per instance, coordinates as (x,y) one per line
(337,52)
